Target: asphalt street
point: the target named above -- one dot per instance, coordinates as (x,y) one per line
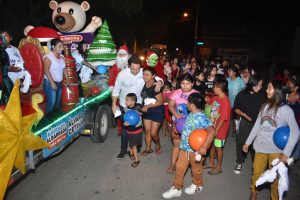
(90,171)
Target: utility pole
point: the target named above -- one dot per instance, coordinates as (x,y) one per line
(196,29)
(134,46)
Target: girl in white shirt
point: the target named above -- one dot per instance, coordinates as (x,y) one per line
(54,64)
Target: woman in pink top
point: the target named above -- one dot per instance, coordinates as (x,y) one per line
(178,108)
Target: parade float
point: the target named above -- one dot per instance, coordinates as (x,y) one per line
(30,136)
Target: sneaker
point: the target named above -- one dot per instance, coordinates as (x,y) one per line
(172,192)
(121,155)
(192,189)
(238,169)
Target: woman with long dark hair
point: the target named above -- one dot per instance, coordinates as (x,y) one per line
(246,106)
(273,114)
(153,111)
(54,65)
(210,75)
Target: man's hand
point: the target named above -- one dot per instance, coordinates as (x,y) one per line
(126,124)
(158,86)
(114,108)
(246,148)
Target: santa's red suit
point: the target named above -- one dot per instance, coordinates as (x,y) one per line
(121,63)
(113,73)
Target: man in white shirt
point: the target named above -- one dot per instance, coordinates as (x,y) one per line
(129,80)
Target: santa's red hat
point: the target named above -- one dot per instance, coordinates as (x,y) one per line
(123,49)
(150,53)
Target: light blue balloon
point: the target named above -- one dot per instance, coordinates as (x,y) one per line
(102,69)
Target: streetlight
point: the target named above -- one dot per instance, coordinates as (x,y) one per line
(185,15)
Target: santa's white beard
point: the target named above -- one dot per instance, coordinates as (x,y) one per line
(122,62)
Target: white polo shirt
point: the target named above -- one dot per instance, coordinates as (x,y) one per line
(126,83)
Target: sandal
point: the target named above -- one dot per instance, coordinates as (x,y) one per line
(131,157)
(215,172)
(207,166)
(135,163)
(158,151)
(170,171)
(146,152)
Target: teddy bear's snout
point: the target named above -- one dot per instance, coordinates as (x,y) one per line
(60,20)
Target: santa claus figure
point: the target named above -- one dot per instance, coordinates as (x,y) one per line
(152,61)
(121,63)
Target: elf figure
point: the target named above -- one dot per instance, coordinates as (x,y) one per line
(152,61)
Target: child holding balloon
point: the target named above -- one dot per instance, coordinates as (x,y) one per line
(273,114)
(187,156)
(132,123)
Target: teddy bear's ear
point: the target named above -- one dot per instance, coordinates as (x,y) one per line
(85,6)
(53,4)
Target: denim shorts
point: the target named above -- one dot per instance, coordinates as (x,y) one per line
(155,114)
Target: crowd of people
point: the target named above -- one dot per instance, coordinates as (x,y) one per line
(219,97)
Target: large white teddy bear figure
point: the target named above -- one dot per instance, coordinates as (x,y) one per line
(69,17)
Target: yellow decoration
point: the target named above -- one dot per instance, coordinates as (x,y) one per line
(36,99)
(15,138)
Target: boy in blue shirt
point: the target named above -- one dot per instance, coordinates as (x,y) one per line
(195,120)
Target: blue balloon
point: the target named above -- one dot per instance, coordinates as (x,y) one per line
(182,109)
(102,69)
(179,124)
(132,117)
(281,136)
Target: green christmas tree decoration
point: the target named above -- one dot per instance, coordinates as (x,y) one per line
(103,49)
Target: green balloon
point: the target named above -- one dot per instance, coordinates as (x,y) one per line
(207,110)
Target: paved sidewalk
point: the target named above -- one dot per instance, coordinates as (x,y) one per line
(87,171)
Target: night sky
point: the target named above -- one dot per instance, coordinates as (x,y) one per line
(160,21)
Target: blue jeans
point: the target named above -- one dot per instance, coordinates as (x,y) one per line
(124,140)
(53,96)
